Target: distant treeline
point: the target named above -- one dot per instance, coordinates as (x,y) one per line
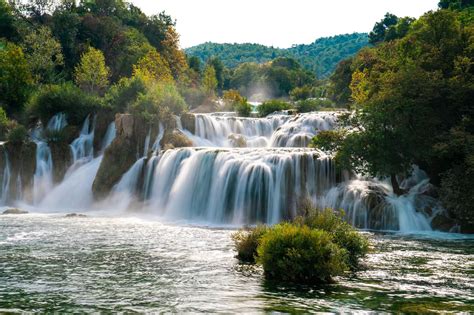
(320,57)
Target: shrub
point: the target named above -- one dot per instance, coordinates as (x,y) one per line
(4,123)
(342,233)
(194,96)
(18,134)
(301,93)
(299,254)
(243,109)
(272,106)
(66,98)
(124,93)
(159,99)
(312,105)
(246,242)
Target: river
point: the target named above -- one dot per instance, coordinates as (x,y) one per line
(50,263)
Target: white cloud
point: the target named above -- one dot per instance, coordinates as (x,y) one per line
(277,22)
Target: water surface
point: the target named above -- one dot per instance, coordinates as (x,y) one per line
(52,263)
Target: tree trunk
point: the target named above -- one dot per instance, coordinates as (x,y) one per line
(396,187)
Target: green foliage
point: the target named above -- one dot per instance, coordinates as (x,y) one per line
(18,134)
(407,91)
(91,74)
(194,96)
(159,100)
(4,124)
(455,4)
(247,241)
(272,106)
(302,93)
(15,78)
(44,54)
(342,233)
(65,98)
(329,140)
(312,105)
(340,91)
(300,254)
(320,57)
(7,21)
(124,93)
(209,80)
(244,109)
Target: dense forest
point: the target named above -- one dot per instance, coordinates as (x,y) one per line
(319,57)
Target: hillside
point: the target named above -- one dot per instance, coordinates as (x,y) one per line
(321,57)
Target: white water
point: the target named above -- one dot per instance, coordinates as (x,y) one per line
(75,192)
(237,185)
(277,130)
(43,178)
(83,147)
(5,188)
(263,182)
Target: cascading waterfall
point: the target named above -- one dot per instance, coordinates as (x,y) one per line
(75,192)
(6,174)
(277,130)
(244,171)
(43,178)
(238,185)
(83,147)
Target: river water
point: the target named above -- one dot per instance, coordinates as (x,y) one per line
(50,263)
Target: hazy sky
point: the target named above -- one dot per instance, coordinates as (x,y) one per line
(280,23)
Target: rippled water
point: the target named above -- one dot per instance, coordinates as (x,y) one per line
(52,263)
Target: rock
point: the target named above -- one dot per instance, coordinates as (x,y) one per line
(75,215)
(237,141)
(62,159)
(175,139)
(442,222)
(22,158)
(15,211)
(189,122)
(122,153)
(103,118)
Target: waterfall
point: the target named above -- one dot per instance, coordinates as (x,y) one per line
(6,174)
(238,185)
(75,192)
(109,136)
(43,177)
(277,130)
(57,123)
(242,171)
(83,147)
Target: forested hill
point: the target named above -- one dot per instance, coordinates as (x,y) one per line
(321,56)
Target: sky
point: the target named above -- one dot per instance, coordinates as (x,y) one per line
(279,23)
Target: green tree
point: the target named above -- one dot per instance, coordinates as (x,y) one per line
(91,74)
(219,69)
(15,78)
(380,29)
(209,80)
(44,54)
(7,21)
(152,67)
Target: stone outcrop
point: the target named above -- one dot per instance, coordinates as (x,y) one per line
(102,120)
(127,147)
(22,159)
(189,122)
(62,159)
(175,139)
(14,211)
